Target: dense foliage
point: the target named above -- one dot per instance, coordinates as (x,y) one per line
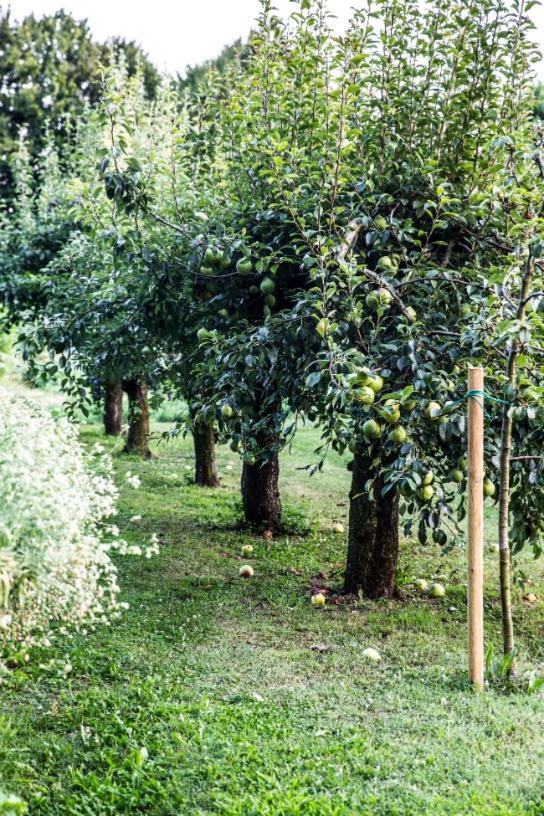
(50,69)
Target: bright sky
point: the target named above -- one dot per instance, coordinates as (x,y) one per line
(177,33)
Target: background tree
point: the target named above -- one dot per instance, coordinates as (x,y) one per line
(51,69)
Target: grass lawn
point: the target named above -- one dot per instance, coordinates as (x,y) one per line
(216,695)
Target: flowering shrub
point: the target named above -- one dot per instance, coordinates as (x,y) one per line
(55,540)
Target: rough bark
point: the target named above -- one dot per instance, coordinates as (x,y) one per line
(113,408)
(138,418)
(260,493)
(205,462)
(373,538)
(504,490)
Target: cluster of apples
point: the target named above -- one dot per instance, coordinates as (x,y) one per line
(366,386)
(214,259)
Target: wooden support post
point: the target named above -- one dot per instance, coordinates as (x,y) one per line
(476,529)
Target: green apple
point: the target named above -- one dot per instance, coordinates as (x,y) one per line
(244,266)
(372,655)
(365,395)
(426,492)
(267,286)
(202,334)
(375,382)
(207,270)
(210,256)
(432,410)
(410,314)
(380,223)
(247,549)
(489,488)
(322,326)
(428,477)
(318,599)
(226,411)
(337,527)
(437,591)
(371,429)
(372,301)
(270,300)
(462,463)
(421,584)
(391,411)
(457,476)
(398,435)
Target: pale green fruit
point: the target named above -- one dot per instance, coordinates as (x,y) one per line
(372,301)
(270,300)
(398,435)
(365,395)
(428,478)
(226,411)
(457,476)
(244,266)
(437,591)
(384,295)
(210,256)
(207,270)
(462,463)
(375,382)
(421,584)
(380,222)
(489,488)
(426,492)
(322,326)
(202,334)
(391,411)
(318,599)
(432,410)
(372,655)
(337,527)
(247,549)
(267,286)
(371,429)
(410,314)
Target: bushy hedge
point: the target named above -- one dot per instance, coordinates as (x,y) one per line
(56,572)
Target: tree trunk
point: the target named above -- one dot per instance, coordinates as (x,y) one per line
(113,408)
(205,463)
(138,418)
(373,537)
(504,490)
(260,493)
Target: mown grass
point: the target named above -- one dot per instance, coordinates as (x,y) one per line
(216,695)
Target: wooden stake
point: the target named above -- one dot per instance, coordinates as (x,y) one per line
(476,530)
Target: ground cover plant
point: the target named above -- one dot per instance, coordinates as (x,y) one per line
(218,694)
